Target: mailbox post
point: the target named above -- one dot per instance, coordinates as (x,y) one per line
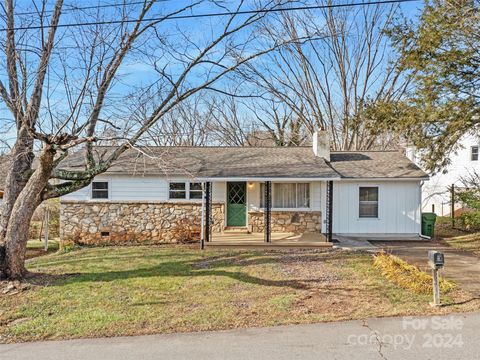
(436,260)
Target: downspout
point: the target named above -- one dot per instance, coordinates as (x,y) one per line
(421,208)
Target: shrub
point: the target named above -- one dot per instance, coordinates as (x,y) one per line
(67,246)
(470,220)
(406,275)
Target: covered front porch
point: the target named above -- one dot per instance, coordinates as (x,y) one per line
(232,239)
(254,213)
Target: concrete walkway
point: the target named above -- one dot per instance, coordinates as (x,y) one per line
(460,266)
(439,338)
(353,243)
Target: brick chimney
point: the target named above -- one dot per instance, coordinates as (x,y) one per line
(321,144)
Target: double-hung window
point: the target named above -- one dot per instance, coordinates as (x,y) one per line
(185,190)
(177,190)
(368,202)
(287,195)
(100,190)
(195,191)
(474,153)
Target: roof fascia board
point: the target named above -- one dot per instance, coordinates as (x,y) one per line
(387,179)
(266,179)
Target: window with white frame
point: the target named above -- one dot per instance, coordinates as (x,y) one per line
(474,153)
(195,190)
(368,202)
(185,190)
(178,190)
(100,190)
(287,195)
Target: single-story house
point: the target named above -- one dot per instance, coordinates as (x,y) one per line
(151,193)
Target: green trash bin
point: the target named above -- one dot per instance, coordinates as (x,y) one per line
(428,224)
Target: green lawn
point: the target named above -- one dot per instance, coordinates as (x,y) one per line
(142,290)
(37,248)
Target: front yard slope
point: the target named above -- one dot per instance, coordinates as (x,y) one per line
(117,291)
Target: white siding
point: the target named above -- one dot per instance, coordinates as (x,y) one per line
(399,205)
(399,201)
(138,188)
(219,191)
(253,196)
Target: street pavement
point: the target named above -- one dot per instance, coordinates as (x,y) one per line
(441,337)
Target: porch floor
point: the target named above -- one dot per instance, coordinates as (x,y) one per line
(278,240)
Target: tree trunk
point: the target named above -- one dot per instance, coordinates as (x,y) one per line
(16,236)
(16,179)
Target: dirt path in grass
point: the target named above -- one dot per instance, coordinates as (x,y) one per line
(460,266)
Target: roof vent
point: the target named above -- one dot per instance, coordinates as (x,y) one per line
(321,144)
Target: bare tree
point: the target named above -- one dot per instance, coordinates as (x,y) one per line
(188,124)
(65,89)
(248,121)
(280,123)
(230,126)
(328,81)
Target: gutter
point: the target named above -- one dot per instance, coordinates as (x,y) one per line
(265,179)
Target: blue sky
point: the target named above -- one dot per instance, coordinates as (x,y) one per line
(134,71)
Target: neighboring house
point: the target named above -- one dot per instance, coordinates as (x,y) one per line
(150,192)
(464,162)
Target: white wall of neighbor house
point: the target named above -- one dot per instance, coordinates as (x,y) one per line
(399,208)
(139,188)
(436,195)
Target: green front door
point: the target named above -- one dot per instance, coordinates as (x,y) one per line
(236,204)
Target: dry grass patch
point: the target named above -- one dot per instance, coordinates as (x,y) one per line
(470,242)
(408,276)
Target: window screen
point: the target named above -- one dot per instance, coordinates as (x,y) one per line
(368,202)
(100,190)
(177,190)
(195,190)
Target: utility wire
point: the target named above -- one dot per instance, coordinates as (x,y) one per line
(69,7)
(218,14)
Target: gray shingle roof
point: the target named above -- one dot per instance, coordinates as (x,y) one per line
(204,162)
(374,164)
(253,162)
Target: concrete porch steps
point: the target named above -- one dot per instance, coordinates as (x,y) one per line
(236,230)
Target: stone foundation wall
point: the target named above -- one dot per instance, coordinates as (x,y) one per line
(287,221)
(133,222)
